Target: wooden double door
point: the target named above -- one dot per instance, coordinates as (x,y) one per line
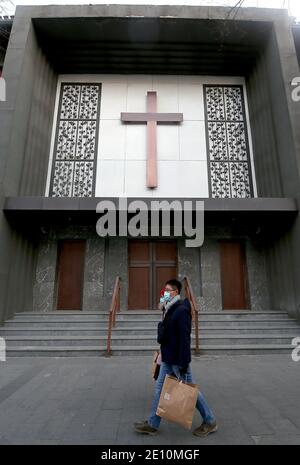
(151,263)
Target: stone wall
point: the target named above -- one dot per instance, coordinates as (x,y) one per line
(45,287)
(107,258)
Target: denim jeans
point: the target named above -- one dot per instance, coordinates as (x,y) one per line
(201,404)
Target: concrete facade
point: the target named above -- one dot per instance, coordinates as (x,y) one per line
(261,48)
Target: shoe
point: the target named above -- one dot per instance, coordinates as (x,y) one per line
(139,423)
(145,428)
(205,429)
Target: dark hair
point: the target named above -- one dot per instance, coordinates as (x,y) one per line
(175,284)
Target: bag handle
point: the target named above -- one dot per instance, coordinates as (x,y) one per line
(180,380)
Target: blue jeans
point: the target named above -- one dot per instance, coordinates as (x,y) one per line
(201,404)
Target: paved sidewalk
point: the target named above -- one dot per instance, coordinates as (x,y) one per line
(96,400)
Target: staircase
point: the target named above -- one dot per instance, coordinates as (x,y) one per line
(74,333)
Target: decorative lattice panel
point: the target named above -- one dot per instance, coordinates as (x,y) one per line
(227,142)
(75,148)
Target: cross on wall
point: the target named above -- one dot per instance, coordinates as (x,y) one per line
(152,118)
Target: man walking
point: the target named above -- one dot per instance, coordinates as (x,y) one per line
(176,357)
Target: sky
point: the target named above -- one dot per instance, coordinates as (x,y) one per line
(293,6)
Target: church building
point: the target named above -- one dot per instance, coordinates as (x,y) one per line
(151,103)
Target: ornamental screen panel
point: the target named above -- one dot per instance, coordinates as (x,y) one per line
(75,147)
(227,142)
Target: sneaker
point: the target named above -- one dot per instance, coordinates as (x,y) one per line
(205,429)
(145,428)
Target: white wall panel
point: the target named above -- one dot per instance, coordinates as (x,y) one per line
(181,148)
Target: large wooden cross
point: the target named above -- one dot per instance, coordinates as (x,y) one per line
(151,117)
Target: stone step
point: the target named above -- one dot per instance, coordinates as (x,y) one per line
(134,340)
(85,333)
(131,330)
(63,312)
(96,351)
(80,314)
(137,311)
(57,351)
(152,323)
(146,315)
(244,349)
(100,317)
(57,317)
(78,324)
(252,330)
(53,341)
(247,316)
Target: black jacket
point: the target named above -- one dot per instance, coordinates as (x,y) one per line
(176,344)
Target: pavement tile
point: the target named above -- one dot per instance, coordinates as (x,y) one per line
(80,401)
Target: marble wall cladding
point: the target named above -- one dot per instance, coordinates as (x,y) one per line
(45,287)
(188,264)
(107,258)
(257,277)
(94,274)
(202,266)
(211,298)
(116,264)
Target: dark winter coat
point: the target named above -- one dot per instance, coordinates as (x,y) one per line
(176,341)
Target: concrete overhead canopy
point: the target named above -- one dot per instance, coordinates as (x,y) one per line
(152,42)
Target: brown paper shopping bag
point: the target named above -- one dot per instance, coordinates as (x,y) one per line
(177,401)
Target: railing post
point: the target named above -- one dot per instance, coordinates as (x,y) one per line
(195,314)
(113,317)
(109,333)
(114,306)
(119,298)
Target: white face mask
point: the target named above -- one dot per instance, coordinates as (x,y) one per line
(167,296)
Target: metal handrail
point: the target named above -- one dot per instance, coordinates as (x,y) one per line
(195,313)
(114,308)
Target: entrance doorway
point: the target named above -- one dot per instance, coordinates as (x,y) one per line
(234,275)
(70,268)
(151,263)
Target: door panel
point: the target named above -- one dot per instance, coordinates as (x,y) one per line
(139,251)
(70,274)
(165,251)
(139,285)
(151,264)
(233,275)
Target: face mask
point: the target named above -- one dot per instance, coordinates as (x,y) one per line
(167,296)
